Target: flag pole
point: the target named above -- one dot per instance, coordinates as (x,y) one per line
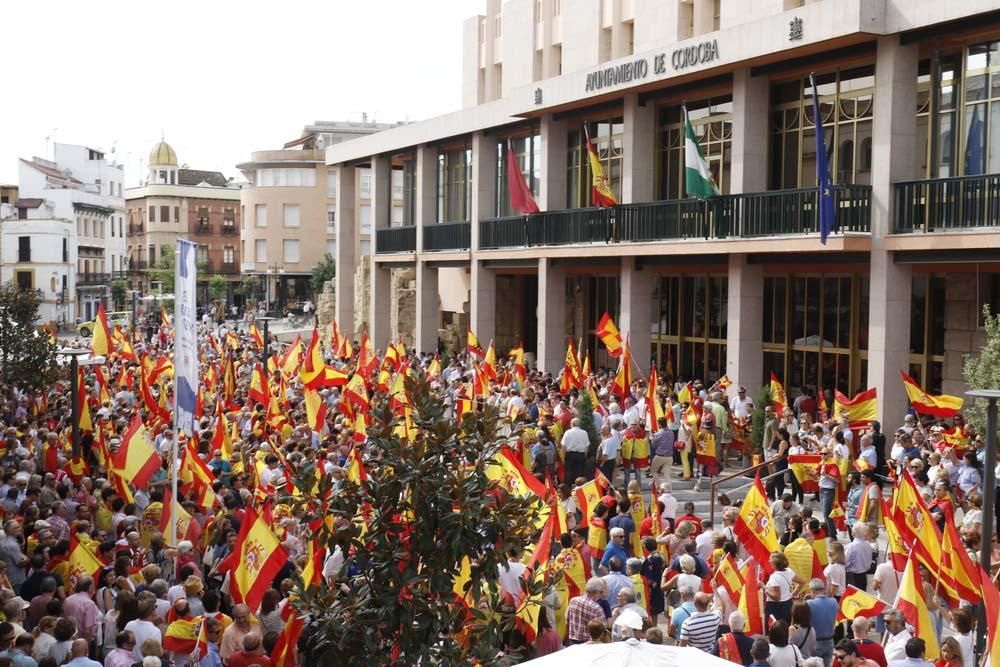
(178,258)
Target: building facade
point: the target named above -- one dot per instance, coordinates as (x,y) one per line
(740,283)
(82,187)
(178,202)
(289,210)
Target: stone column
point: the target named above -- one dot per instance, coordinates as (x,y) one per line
(634,319)
(638,167)
(893,135)
(744,351)
(428,308)
(484,181)
(552,195)
(704,16)
(347,232)
(551,316)
(426,191)
(379,301)
(483,301)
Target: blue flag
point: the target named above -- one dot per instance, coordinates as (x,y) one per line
(827,211)
(974,145)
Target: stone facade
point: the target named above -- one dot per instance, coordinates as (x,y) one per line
(326,303)
(403,311)
(362,295)
(962,333)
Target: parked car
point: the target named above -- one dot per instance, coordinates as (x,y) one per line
(121,318)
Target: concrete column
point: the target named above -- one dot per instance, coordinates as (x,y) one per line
(483,301)
(744,349)
(551,316)
(704,16)
(380,306)
(347,239)
(484,181)
(428,307)
(426,195)
(552,195)
(893,135)
(638,168)
(381,197)
(634,317)
(749,146)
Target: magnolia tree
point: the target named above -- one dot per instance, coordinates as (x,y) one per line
(428,514)
(983,371)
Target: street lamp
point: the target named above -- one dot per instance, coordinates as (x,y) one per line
(135,323)
(267,342)
(989,494)
(74,354)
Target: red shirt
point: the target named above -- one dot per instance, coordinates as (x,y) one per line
(872,651)
(244,659)
(693,519)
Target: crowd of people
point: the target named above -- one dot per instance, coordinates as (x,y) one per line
(650,562)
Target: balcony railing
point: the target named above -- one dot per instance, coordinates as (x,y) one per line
(229,230)
(203,228)
(138,265)
(448,236)
(89,279)
(944,204)
(135,229)
(729,216)
(396,239)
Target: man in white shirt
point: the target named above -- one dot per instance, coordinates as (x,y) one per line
(897,635)
(703,543)
(575,442)
(510,573)
(669,504)
(741,405)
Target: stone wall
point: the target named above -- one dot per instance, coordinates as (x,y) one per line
(362,295)
(962,335)
(403,308)
(326,303)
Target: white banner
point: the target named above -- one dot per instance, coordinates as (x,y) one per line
(185,338)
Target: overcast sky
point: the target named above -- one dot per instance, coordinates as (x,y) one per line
(219,78)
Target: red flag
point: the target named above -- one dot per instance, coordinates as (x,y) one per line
(520,194)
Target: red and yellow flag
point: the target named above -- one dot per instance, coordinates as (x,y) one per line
(915,524)
(751,601)
(778,398)
(956,567)
(100,341)
(315,409)
(806,468)
(256,336)
(572,376)
(609,335)
(490,361)
(601,193)
(856,602)
(622,386)
(910,602)
(859,411)
(136,460)
(654,409)
(755,525)
(472,345)
(284,652)
(929,404)
(181,636)
(261,556)
(991,600)
(82,560)
(434,368)
(728,576)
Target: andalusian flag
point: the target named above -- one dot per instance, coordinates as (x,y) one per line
(609,335)
(929,404)
(910,601)
(698,181)
(100,341)
(261,557)
(136,460)
(755,525)
(601,193)
(856,602)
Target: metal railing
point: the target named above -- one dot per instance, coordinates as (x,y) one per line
(135,229)
(448,236)
(396,239)
(749,215)
(85,279)
(229,230)
(716,481)
(942,204)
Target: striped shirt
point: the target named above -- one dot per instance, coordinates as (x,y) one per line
(701,629)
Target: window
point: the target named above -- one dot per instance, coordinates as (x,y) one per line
(202,257)
(529,156)
(228,254)
(409,191)
(366,219)
(260,213)
(260,250)
(112,227)
(498,26)
(202,218)
(331,219)
(366,184)
(397,216)
(291,218)
(609,142)
(331,183)
(711,120)
(689,325)
(366,247)
(25,280)
(454,185)
(120,228)
(331,247)
(397,184)
(24,248)
(177,213)
(152,214)
(65,250)
(285,177)
(290,249)
(927,329)
(152,255)
(165,214)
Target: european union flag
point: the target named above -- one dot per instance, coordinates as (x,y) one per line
(974,145)
(827,211)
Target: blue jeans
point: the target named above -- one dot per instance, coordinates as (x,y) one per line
(826,497)
(824,649)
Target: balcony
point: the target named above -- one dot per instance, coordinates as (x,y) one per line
(92,279)
(229,230)
(138,265)
(202,228)
(948,204)
(448,236)
(755,215)
(396,239)
(135,229)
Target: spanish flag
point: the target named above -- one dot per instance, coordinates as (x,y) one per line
(859,411)
(181,636)
(100,341)
(258,391)
(956,566)
(751,601)
(622,386)
(654,410)
(85,423)
(315,409)
(356,471)
(755,525)
(284,652)
(572,374)
(601,193)
(609,335)
(82,559)
(728,576)
(434,368)
(929,404)
(256,336)
(806,469)
(856,602)
(260,559)
(991,600)
(915,523)
(164,319)
(136,460)
(356,394)
(520,369)
(686,393)
(472,345)
(490,361)
(910,601)
(508,472)
(778,398)
(367,359)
